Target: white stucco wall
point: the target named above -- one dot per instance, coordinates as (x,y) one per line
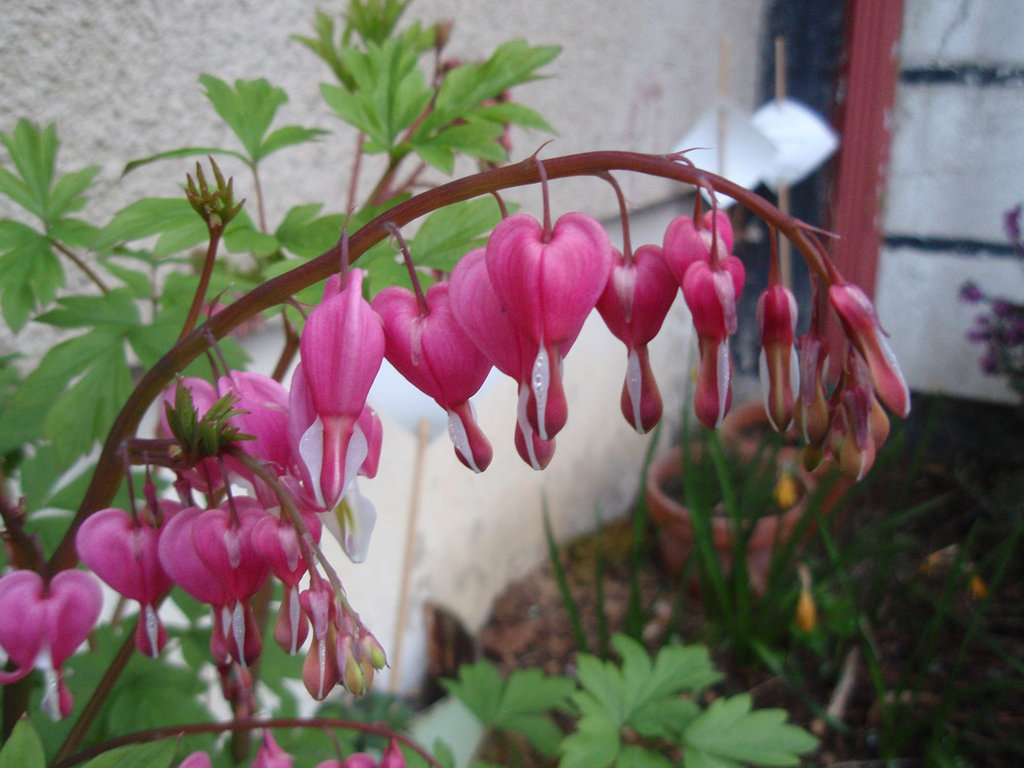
(957,165)
(120,79)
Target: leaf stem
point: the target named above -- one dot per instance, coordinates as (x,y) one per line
(79,262)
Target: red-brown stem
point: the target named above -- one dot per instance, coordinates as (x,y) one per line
(246,724)
(546,232)
(260,209)
(108,472)
(291,347)
(627,249)
(357,164)
(421,300)
(204,282)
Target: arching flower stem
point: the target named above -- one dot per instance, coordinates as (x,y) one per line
(108,472)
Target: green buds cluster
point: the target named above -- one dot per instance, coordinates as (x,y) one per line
(217,206)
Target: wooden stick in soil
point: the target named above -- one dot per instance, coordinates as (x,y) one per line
(841,693)
(422,438)
(782,186)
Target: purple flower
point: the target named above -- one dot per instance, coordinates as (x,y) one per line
(970,292)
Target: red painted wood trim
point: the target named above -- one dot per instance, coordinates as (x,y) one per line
(868,86)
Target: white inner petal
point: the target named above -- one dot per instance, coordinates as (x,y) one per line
(460,439)
(540,382)
(723,371)
(634,381)
(311,451)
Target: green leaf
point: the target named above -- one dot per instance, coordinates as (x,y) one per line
(23,749)
(288,136)
(248,108)
(67,195)
(30,272)
(181,152)
(74,232)
(729,729)
(479,686)
(470,85)
(450,233)
(603,692)
(635,756)
(34,154)
(664,718)
(115,310)
(248,239)
(153,754)
(85,412)
(475,138)
(594,745)
(172,218)
(516,114)
(388,92)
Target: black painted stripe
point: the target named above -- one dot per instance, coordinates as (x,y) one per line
(964,74)
(959,247)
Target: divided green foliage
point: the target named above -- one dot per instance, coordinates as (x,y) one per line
(248,108)
(518,703)
(30,270)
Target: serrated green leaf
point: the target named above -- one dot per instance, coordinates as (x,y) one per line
(729,729)
(595,744)
(694,758)
(33,151)
(451,232)
(664,718)
(479,686)
(603,686)
(636,671)
(138,283)
(152,694)
(153,754)
(288,136)
(511,112)
(67,195)
(248,108)
(475,138)
(170,217)
(248,239)
(30,273)
(115,310)
(470,85)
(74,232)
(23,748)
(181,152)
(635,756)
(682,668)
(83,414)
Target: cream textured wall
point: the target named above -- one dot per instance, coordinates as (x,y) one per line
(120,79)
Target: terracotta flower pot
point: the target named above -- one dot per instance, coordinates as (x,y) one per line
(675,529)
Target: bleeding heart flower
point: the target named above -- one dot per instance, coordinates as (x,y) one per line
(548,283)
(430,349)
(686,241)
(270,754)
(342,347)
(634,304)
(123,552)
(860,323)
(478,311)
(780,372)
(42,625)
(277,542)
(710,293)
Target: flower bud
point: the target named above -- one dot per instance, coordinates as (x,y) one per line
(780,374)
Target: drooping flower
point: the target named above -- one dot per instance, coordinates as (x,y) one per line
(860,324)
(270,754)
(686,242)
(779,369)
(548,282)
(210,554)
(342,348)
(480,314)
(635,301)
(123,551)
(432,351)
(711,292)
(42,624)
